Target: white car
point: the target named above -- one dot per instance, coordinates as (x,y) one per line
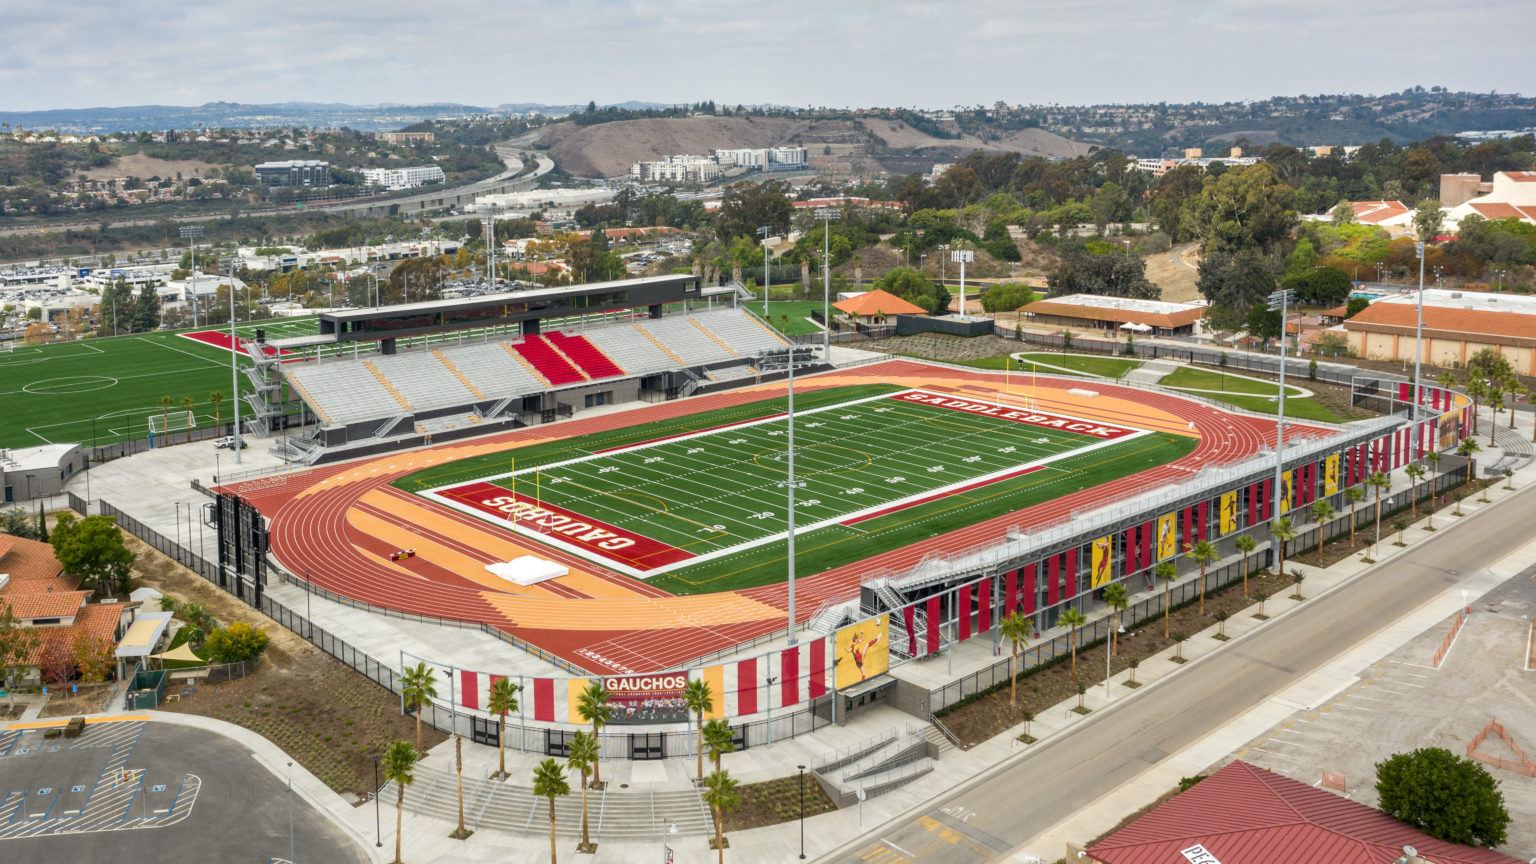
(228,443)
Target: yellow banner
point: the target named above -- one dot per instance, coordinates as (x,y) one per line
(1103,561)
(574,687)
(1228,512)
(714,676)
(1167,537)
(1331,475)
(1287,484)
(863,651)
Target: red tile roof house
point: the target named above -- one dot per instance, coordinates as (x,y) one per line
(1243,814)
(33,585)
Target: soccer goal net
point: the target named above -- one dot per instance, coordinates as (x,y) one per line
(7,345)
(172,422)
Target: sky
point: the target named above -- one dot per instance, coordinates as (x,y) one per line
(835,53)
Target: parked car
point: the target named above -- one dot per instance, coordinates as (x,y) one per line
(228,443)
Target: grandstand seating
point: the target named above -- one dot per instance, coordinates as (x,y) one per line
(629,348)
(348,392)
(548,361)
(424,381)
(745,334)
(583,353)
(493,371)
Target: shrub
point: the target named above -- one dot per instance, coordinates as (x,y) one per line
(236,643)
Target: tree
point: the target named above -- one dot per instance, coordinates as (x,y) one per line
(718,740)
(1427,219)
(1283,531)
(1415,473)
(1322,511)
(17,523)
(915,287)
(1245,208)
(1118,599)
(1166,572)
(1245,544)
(165,403)
(17,644)
(418,686)
(549,782)
(1433,459)
(1379,481)
(1114,273)
(217,399)
(1073,619)
(1006,297)
(721,796)
(93,657)
(1400,525)
(698,699)
(1204,552)
(1444,795)
(1467,449)
(1494,390)
(581,754)
(92,548)
(593,707)
(146,310)
(187,405)
(399,760)
(236,643)
(1015,628)
(1234,283)
(502,700)
(750,205)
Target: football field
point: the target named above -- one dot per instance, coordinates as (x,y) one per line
(704,509)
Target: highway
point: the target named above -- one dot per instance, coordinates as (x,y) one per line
(1028,794)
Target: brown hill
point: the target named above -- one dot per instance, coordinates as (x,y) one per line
(608,149)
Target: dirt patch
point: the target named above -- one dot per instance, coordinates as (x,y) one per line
(11,712)
(1177,278)
(776,801)
(1044,687)
(92,699)
(144,167)
(608,149)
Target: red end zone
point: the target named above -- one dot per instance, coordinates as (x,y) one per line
(219,339)
(1018,415)
(583,533)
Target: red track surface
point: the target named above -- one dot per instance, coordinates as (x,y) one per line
(650,630)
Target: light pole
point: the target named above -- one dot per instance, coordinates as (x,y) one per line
(309,622)
(801,769)
(943,262)
(763,230)
(790,484)
(191,234)
(234,363)
(962,256)
(768,696)
(378,836)
(826,283)
(290,813)
(1418,344)
(1280,300)
(1119,629)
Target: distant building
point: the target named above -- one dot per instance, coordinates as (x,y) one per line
(1511,195)
(678,169)
(1457,324)
(1383,214)
(1097,312)
(406,137)
(295,172)
(403,178)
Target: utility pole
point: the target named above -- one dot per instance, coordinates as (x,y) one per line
(1418,337)
(763,230)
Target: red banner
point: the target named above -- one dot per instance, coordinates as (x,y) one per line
(1018,415)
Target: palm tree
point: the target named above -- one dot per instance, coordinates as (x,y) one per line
(1447,380)
(1322,511)
(1221,624)
(399,759)
(581,753)
(1467,449)
(1283,531)
(721,796)
(1379,480)
(593,707)
(187,404)
(1516,390)
(1245,544)
(1118,599)
(1415,473)
(1476,390)
(549,782)
(1296,577)
(1434,467)
(719,739)
(502,701)
(698,699)
(417,687)
(165,403)
(1073,619)
(1204,552)
(217,398)
(1354,495)
(1167,572)
(1178,640)
(1495,393)
(1400,525)
(1015,628)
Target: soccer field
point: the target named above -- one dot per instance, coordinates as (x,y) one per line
(703,509)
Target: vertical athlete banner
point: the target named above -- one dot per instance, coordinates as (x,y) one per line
(1331,475)
(1287,484)
(1167,536)
(863,651)
(1103,561)
(1228,516)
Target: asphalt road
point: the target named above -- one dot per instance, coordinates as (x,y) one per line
(1030,793)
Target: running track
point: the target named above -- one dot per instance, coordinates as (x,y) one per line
(339,523)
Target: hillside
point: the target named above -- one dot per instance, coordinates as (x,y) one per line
(608,149)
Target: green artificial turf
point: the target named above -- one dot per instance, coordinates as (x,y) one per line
(1191,378)
(1295,409)
(797,310)
(1108,367)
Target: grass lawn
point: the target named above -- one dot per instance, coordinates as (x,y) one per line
(725,507)
(797,310)
(1190,378)
(1109,367)
(1297,409)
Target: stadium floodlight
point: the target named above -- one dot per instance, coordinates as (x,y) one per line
(1280,301)
(962,257)
(1418,340)
(234,362)
(765,230)
(789,486)
(825,214)
(191,234)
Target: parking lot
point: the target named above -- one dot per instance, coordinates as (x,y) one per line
(1404,702)
(132,790)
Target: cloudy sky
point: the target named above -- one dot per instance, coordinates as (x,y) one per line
(86,53)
